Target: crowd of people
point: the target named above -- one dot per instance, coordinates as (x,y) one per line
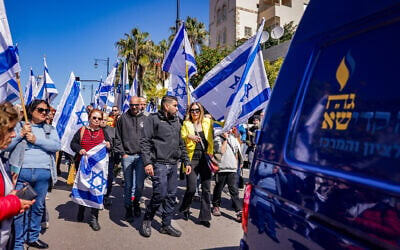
(155,145)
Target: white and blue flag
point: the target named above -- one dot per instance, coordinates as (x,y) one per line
(132,92)
(179,55)
(30,88)
(177,88)
(238,86)
(9,64)
(121,86)
(106,91)
(91,179)
(97,94)
(9,92)
(71,114)
(46,89)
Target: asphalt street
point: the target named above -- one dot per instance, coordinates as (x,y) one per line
(65,232)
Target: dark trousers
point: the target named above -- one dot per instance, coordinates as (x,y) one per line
(94,212)
(165,181)
(199,166)
(110,176)
(220,180)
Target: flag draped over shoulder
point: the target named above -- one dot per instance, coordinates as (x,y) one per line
(106,91)
(71,114)
(179,55)
(132,92)
(9,64)
(177,88)
(91,179)
(238,86)
(30,88)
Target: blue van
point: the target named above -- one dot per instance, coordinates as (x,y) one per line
(326,172)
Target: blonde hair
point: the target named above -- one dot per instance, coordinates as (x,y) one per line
(189,117)
(8,115)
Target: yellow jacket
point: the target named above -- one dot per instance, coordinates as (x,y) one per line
(188,129)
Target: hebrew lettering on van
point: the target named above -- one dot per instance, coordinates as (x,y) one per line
(340,119)
(376,121)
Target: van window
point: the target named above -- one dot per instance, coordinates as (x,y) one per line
(349,113)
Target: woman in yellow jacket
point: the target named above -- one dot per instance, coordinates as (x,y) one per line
(197,132)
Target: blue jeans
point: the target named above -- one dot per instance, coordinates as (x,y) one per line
(27,225)
(165,181)
(134,178)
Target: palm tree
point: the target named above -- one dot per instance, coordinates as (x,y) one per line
(135,49)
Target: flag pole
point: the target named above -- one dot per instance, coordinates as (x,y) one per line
(187,84)
(21,96)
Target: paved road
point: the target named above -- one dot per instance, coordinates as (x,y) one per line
(66,233)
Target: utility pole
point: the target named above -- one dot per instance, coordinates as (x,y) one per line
(178,21)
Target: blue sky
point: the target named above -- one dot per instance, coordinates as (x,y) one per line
(73,33)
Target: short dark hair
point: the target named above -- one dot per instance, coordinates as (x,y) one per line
(32,106)
(168,99)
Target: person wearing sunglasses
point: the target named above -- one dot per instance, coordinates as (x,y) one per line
(86,138)
(10,204)
(32,157)
(197,132)
(129,131)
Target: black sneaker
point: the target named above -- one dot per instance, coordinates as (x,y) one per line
(145,229)
(94,224)
(171,231)
(38,244)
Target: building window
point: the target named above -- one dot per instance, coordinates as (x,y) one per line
(224,36)
(247,31)
(218,16)
(287,3)
(223,18)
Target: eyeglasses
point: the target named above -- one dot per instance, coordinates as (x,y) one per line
(134,105)
(194,111)
(97,118)
(41,110)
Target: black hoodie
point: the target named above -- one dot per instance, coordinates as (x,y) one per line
(129,131)
(162,141)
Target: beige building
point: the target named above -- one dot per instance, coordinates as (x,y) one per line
(232,20)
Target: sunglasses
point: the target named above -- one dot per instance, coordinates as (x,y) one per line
(114,110)
(194,111)
(134,105)
(41,110)
(97,118)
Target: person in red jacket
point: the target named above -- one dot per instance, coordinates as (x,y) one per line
(10,204)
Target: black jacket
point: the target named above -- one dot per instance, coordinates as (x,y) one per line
(162,141)
(128,132)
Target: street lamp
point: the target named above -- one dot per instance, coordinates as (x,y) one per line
(107,60)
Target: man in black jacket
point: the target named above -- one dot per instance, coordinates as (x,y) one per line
(162,148)
(129,131)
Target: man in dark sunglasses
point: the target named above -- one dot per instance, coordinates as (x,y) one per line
(129,131)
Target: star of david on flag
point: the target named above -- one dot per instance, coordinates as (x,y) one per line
(71,114)
(91,180)
(236,87)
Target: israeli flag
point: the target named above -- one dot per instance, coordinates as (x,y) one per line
(30,88)
(9,92)
(238,86)
(177,88)
(132,92)
(91,180)
(120,89)
(97,94)
(9,64)
(51,90)
(106,91)
(71,114)
(179,55)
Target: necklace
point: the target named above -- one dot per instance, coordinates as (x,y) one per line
(91,133)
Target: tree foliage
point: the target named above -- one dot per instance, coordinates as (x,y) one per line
(272,69)
(206,61)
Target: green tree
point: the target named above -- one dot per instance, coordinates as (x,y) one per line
(272,69)
(206,61)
